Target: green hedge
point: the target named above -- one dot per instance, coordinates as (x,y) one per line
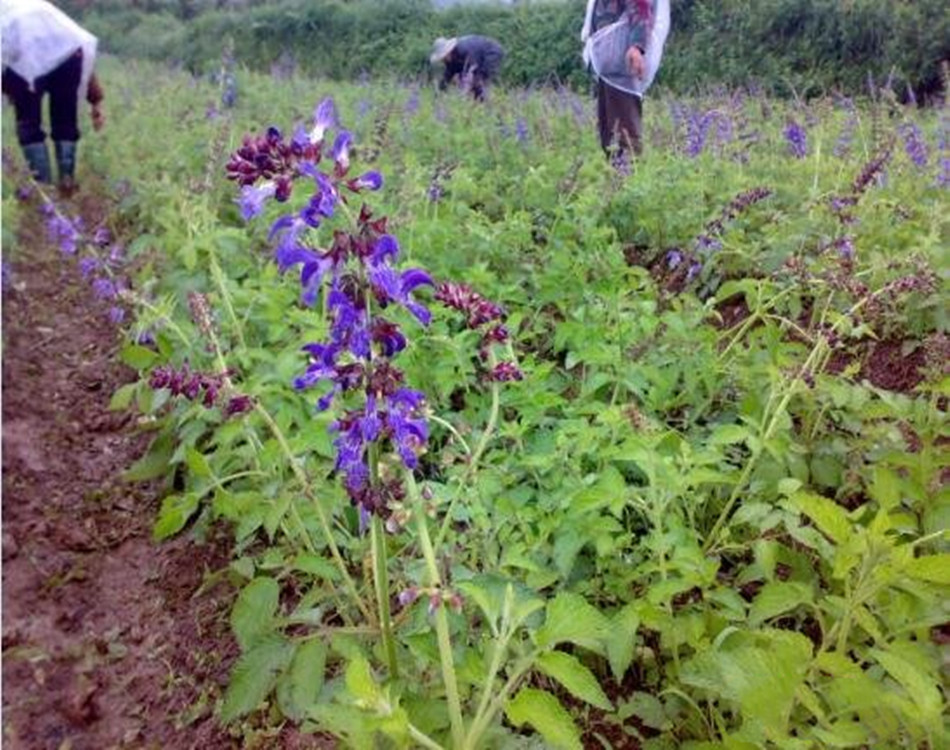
(802,47)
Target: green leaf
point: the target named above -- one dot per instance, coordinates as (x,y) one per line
(198,464)
(316,566)
(253,614)
(922,689)
(360,682)
(174,514)
(622,639)
(830,518)
(275,514)
(778,597)
(122,398)
(138,357)
(885,488)
(933,568)
(542,711)
(649,710)
(154,463)
(762,674)
(727,434)
(254,676)
(299,688)
(570,619)
(578,679)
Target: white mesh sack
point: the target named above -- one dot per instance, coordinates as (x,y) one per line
(37,36)
(606,51)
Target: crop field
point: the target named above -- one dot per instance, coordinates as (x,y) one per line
(363,415)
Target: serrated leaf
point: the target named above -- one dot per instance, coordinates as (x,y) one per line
(316,566)
(622,640)
(575,677)
(570,619)
(253,614)
(776,598)
(300,686)
(174,514)
(254,676)
(830,518)
(543,712)
(933,568)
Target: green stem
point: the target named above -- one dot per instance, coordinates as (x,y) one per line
(441,620)
(321,513)
(479,450)
(218,276)
(423,739)
(481,722)
(381,584)
(813,357)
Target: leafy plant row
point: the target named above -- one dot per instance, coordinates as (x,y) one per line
(676,478)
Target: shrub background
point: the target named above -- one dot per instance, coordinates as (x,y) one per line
(788,47)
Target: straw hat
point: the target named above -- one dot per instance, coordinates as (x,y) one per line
(441,48)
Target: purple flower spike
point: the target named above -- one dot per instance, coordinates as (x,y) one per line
(253,198)
(324,118)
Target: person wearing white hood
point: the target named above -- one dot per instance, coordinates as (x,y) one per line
(46,52)
(623,46)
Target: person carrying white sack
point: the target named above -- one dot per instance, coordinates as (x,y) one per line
(45,52)
(623,46)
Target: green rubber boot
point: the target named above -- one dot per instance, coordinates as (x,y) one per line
(66,166)
(37,157)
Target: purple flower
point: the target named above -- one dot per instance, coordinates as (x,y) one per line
(845,247)
(371,180)
(408,596)
(104,288)
(412,103)
(102,237)
(340,153)
(390,286)
(697,131)
(116,314)
(797,139)
(87,265)
(408,431)
(253,198)
(673,259)
(943,176)
(324,117)
(914,144)
(521,130)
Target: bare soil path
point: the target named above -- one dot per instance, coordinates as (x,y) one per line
(109,640)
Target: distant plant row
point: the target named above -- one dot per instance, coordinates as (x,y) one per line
(800,47)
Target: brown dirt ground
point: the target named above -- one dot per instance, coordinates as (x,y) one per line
(107,640)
